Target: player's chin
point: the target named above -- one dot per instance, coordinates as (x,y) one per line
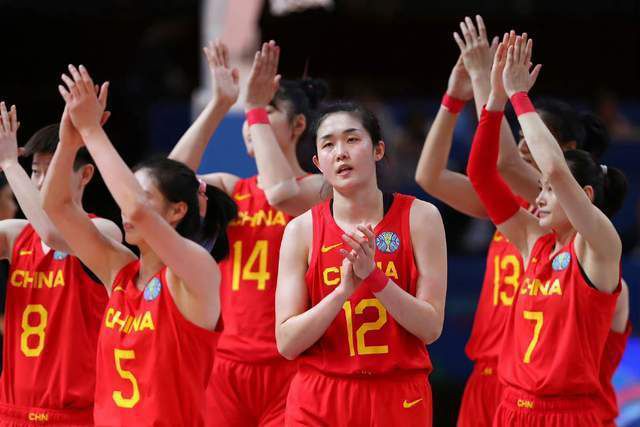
(131,237)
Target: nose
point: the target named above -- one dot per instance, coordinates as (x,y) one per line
(341,151)
(540,200)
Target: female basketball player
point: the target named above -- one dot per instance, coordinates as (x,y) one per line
(250,379)
(551,353)
(359,294)
(154,353)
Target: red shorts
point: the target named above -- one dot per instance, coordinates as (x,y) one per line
(18,416)
(520,409)
(481,396)
(316,399)
(248,394)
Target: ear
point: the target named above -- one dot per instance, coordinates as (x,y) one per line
(177,211)
(87,174)
(298,127)
(378,151)
(316,162)
(590,193)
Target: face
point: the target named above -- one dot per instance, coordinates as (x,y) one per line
(156,201)
(550,213)
(8,206)
(285,131)
(40,166)
(346,156)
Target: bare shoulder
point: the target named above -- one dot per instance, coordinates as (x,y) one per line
(424,214)
(108,228)
(223,180)
(301,226)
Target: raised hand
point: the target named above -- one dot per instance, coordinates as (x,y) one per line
(459,85)
(8,140)
(263,80)
(85,107)
(499,61)
(225,80)
(363,250)
(474,46)
(517,75)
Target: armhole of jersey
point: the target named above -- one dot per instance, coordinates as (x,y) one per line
(124,271)
(586,278)
(89,273)
(316,230)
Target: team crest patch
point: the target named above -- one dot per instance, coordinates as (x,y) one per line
(388,242)
(59,255)
(561,261)
(152,290)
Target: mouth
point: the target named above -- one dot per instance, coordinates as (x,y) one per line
(127,226)
(344,170)
(542,214)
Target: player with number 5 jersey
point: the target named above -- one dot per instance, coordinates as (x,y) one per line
(356,303)
(250,379)
(154,352)
(551,355)
(48,372)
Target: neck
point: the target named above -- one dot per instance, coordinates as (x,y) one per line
(564,235)
(150,264)
(77,196)
(364,205)
(292,159)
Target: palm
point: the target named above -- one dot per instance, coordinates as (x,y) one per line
(225,86)
(459,83)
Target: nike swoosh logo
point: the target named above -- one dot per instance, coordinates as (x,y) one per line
(325,249)
(21,253)
(407,405)
(118,288)
(241,197)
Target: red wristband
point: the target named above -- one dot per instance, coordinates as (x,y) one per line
(376,281)
(453,105)
(521,103)
(257,116)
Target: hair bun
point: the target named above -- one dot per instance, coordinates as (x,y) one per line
(315,89)
(596,139)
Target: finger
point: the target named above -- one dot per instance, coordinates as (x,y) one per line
(528,51)
(349,255)
(510,56)
(494,45)
(482,30)
(77,78)
(276,60)
(64,93)
(256,68)
(534,75)
(105,117)
(86,79)
(355,244)
(209,55)
(472,29)
(103,94)
(512,38)
(465,34)
(499,56)
(276,82)
(225,54)
(68,81)
(517,50)
(367,231)
(459,41)
(6,125)
(13,117)
(220,54)
(273,58)
(235,75)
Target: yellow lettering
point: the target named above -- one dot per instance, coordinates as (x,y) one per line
(45,278)
(328,280)
(28,278)
(17,278)
(108,319)
(527,404)
(59,280)
(33,416)
(147,322)
(279,219)
(259,218)
(136,323)
(391,270)
(556,289)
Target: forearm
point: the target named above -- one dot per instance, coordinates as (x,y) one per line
(421,318)
(121,182)
(543,146)
(481,84)
(436,149)
(298,333)
(273,166)
(191,147)
(30,201)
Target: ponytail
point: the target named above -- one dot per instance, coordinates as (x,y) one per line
(596,139)
(221,210)
(615,190)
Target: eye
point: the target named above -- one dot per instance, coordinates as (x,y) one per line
(327,144)
(352,139)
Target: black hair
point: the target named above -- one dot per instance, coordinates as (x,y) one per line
(178,183)
(301,97)
(597,139)
(368,119)
(562,120)
(609,184)
(45,141)
(3,180)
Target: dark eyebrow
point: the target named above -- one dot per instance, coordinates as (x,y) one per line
(344,132)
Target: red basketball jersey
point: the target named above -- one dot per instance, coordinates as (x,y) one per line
(249,276)
(52,321)
(364,339)
(554,341)
(613,352)
(153,365)
(499,290)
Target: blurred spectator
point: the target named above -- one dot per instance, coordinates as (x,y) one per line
(620,128)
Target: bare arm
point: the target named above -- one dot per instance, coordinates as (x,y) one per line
(187,260)
(422,315)
(598,245)
(432,174)
(191,147)
(298,327)
(100,250)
